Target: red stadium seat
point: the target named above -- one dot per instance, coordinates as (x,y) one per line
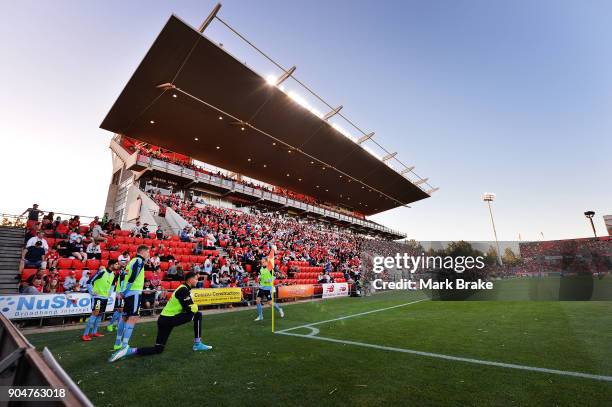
(104,262)
(120,239)
(114,255)
(93,264)
(77,264)
(105,255)
(164,265)
(166,285)
(26,273)
(64,263)
(148,275)
(175,284)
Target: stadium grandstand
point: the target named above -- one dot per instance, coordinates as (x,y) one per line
(210,182)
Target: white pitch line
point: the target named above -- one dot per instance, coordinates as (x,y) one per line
(348,316)
(457,358)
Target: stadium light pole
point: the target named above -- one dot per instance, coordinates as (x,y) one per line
(589,215)
(488,197)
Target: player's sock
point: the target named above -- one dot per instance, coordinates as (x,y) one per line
(277,307)
(260,310)
(127,332)
(96,324)
(89,325)
(197,340)
(115,317)
(120,329)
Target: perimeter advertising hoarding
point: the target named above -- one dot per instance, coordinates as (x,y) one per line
(48,305)
(296,291)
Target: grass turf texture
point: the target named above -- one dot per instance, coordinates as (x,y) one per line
(249,365)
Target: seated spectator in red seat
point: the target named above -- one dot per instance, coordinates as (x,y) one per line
(63,248)
(74,223)
(136,230)
(144,230)
(175,272)
(76,249)
(94,251)
(62,230)
(83,281)
(34,256)
(52,258)
(40,237)
(70,282)
(199,248)
(34,283)
(184,235)
(152,263)
(160,234)
(149,295)
(94,222)
(52,286)
(97,233)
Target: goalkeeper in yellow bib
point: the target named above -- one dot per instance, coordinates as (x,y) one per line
(179,310)
(266,284)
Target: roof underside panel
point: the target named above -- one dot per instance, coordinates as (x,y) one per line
(180,55)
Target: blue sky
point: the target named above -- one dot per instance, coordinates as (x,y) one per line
(508,97)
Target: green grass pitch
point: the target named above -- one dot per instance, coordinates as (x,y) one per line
(251,366)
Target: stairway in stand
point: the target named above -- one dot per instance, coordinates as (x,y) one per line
(11,246)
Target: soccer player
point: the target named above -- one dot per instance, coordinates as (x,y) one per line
(264,292)
(99,286)
(179,310)
(116,286)
(130,294)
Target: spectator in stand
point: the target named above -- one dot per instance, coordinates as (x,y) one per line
(83,281)
(62,230)
(70,282)
(94,251)
(74,223)
(199,248)
(74,236)
(33,215)
(148,295)
(144,230)
(184,235)
(29,286)
(104,220)
(159,233)
(136,230)
(97,232)
(63,248)
(34,256)
(52,286)
(124,258)
(76,249)
(152,263)
(40,237)
(94,222)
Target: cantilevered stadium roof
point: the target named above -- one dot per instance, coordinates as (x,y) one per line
(190,96)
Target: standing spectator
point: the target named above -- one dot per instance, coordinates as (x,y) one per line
(33,215)
(83,281)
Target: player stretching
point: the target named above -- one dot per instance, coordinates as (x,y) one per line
(179,310)
(117,286)
(264,292)
(99,286)
(130,294)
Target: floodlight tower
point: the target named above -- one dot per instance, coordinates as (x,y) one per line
(589,215)
(488,197)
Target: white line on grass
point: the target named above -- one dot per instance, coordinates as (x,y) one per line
(348,316)
(457,358)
